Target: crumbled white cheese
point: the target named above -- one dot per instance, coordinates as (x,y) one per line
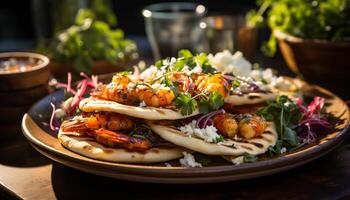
(66,104)
(131,86)
(268,76)
(197,69)
(189,161)
(158,86)
(282,84)
(283,150)
(149,72)
(59,113)
(209,133)
(228,63)
(238,160)
(256,74)
(167,164)
(263,75)
(142,104)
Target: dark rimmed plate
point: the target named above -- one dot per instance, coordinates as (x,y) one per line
(35,129)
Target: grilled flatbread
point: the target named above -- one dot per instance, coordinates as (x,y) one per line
(149,113)
(229,147)
(88,147)
(250,98)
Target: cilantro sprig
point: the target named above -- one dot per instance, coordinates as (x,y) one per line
(186,103)
(186,58)
(211,102)
(205,103)
(286,115)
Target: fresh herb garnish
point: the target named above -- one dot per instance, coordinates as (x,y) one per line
(210,103)
(90,39)
(186,58)
(248,158)
(203,61)
(202,159)
(219,139)
(185,53)
(186,103)
(235,84)
(171,85)
(124,73)
(286,116)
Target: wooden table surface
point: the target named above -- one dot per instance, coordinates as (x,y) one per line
(24,173)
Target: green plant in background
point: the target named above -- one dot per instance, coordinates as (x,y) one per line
(308,19)
(90,39)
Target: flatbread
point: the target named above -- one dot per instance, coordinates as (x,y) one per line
(250,98)
(88,147)
(149,113)
(230,147)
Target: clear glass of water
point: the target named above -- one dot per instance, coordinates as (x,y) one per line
(173,26)
(228,32)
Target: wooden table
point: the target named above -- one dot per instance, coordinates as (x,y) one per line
(24,173)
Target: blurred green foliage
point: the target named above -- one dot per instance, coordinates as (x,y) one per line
(90,39)
(309,19)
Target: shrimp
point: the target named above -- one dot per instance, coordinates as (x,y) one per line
(251,127)
(104,127)
(118,90)
(160,98)
(226,125)
(212,83)
(115,139)
(111,121)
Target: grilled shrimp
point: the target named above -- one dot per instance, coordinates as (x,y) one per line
(111,121)
(251,127)
(226,125)
(118,90)
(161,97)
(212,83)
(115,139)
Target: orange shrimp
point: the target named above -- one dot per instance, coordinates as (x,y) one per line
(111,121)
(251,127)
(211,83)
(226,125)
(117,91)
(160,98)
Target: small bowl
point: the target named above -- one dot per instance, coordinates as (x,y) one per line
(21,89)
(318,61)
(19,80)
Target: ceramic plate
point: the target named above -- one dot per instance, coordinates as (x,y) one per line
(36,130)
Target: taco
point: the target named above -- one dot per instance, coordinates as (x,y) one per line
(220,133)
(115,138)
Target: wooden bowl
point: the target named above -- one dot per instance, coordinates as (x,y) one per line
(33,77)
(316,60)
(20,89)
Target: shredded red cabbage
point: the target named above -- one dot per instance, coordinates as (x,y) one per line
(312,119)
(205,120)
(54,125)
(79,92)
